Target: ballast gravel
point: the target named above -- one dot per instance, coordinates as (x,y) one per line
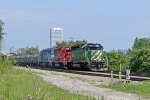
(87,89)
(82,85)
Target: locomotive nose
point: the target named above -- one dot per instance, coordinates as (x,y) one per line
(95,55)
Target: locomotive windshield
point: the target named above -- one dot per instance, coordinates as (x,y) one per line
(94,47)
(68,50)
(88,46)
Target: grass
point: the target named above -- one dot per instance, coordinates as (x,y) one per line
(142,89)
(17,84)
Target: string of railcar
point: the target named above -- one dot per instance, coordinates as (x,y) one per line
(88,56)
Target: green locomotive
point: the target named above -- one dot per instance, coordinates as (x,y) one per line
(89,56)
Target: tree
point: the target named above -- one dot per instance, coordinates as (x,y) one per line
(32,51)
(117,60)
(70,43)
(62,44)
(140,60)
(1,55)
(28,51)
(140,55)
(141,43)
(1,30)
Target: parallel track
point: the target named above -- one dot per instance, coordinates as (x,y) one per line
(104,74)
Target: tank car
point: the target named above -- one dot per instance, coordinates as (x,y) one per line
(24,60)
(45,58)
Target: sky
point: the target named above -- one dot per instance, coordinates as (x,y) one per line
(112,23)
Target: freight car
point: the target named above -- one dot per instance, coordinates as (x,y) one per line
(45,58)
(24,60)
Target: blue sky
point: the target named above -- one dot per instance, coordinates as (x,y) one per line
(112,23)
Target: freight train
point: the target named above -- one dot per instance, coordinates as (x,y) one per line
(87,56)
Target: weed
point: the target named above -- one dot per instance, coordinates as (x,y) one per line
(17,84)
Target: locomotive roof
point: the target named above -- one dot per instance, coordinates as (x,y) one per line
(85,45)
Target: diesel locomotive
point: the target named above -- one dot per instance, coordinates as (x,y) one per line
(88,56)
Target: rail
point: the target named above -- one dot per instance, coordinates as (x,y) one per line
(104,74)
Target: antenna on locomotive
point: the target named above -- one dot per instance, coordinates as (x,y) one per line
(71,39)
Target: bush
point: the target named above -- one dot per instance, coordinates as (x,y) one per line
(116,60)
(5,66)
(140,60)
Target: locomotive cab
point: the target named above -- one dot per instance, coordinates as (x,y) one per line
(94,52)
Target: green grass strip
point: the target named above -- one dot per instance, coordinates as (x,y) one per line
(17,84)
(141,89)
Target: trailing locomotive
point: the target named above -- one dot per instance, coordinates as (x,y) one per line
(62,56)
(88,56)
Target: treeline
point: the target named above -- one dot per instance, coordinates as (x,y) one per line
(27,51)
(137,58)
(70,43)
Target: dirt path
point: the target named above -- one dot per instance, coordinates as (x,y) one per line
(84,84)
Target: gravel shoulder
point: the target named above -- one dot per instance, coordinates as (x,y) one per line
(84,84)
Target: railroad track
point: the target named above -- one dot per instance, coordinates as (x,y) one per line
(92,73)
(104,74)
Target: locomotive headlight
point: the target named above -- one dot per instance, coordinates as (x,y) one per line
(94,59)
